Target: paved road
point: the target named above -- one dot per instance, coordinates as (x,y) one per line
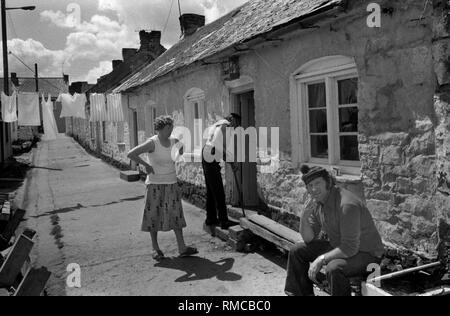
(85,214)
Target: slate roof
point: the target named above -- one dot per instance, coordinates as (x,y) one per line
(252,19)
(54,86)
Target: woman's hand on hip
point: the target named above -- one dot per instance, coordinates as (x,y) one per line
(149,170)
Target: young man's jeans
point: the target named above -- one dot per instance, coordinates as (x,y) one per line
(338,271)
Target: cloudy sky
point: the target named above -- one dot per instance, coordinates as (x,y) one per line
(82,37)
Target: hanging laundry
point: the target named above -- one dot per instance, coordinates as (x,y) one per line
(50,127)
(114,106)
(28,106)
(9,108)
(98,108)
(73,106)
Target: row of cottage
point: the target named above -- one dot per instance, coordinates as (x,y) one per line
(370,102)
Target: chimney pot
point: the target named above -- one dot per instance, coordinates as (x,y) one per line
(190,23)
(14,79)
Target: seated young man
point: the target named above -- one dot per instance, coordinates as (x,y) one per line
(338,232)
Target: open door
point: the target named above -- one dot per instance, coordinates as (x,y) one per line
(244,105)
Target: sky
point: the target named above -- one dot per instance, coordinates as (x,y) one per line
(82,37)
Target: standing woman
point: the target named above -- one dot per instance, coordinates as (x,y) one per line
(163,208)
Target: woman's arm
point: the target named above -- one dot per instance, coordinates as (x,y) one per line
(134,154)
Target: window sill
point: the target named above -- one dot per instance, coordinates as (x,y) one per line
(349,179)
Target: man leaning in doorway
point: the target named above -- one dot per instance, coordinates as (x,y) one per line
(339,234)
(215,150)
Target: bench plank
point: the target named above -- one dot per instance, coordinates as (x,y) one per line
(15,261)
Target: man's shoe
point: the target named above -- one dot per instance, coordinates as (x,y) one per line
(212,223)
(228,224)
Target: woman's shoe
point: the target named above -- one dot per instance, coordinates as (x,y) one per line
(158,255)
(190,251)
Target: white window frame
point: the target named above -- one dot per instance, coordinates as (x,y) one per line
(329,70)
(192,97)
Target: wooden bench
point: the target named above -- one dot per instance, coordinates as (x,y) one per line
(16,258)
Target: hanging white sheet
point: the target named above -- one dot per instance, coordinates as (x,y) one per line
(9,108)
(98,108)
(73,106)
(114,108)
(48,116)
(28,106)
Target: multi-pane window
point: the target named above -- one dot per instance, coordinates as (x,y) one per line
(329,119)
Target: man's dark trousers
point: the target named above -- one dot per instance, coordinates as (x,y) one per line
(216,208)
(338,271)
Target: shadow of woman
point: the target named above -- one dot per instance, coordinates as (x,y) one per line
(201,269)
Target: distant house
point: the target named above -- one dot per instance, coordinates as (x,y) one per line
(368,103)
(114,139)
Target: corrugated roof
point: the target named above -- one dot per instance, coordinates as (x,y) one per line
(254,18)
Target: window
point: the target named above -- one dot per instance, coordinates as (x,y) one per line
(104,131)
(325,103)
(150,117)
(195,115)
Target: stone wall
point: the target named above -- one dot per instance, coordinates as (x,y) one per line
(441,58)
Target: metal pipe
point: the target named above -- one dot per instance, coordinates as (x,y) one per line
(403,272)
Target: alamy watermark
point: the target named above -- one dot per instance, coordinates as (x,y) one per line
(250,145)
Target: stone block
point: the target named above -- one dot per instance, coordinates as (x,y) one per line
(237,246)
(239,234)
(391,155)
(404,186)
(130,176)
(380,210)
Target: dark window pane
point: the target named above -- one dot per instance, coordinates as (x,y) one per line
(317,95)
(196,111)
(318,121)
(319,147)
(348,120)
(349,148)
(348,91)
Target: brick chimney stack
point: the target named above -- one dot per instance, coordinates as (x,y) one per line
(116,63)
(190,23)
(14,79)
(150,42)
(128,53)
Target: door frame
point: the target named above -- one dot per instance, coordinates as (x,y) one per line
(237,88)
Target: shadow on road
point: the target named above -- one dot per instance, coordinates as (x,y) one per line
(201,269)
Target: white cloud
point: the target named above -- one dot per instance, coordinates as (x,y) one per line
(31,52)
(103,68)
(99,39)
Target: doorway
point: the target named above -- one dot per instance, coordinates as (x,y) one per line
(244,105)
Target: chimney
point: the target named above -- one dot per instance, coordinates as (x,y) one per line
(190,23)
(127,53)
(116,63)
(14,79)
(66,79)
(150,41)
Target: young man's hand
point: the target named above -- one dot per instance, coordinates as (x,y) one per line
(314,269)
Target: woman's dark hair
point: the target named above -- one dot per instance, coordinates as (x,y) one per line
(233,116)
(163,121)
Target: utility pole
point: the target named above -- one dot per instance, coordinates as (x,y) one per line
(4,126)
